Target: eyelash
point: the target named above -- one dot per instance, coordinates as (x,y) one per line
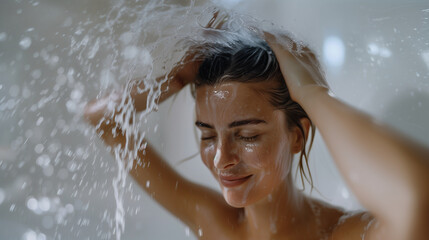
(207,138)
(247,139)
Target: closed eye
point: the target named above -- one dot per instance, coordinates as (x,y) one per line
(248,139)
(207,138)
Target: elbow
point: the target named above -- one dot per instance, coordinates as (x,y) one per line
(96,109)
(421,216)
(418,227)
(89,113)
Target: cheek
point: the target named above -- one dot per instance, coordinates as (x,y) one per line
(270,156)
(207,154)
(253,154)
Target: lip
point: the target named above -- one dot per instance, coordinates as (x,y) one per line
(233,181)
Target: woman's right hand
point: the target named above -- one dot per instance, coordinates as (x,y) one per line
(184,72)
(187,69)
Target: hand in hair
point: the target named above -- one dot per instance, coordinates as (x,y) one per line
(387,171)
(298,64)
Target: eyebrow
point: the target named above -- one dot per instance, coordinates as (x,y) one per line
(253,121)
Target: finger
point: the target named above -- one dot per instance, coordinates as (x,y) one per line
(212,20)
(270,38)
(221,21)
(218,20)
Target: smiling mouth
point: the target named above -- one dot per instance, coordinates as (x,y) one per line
(233,181)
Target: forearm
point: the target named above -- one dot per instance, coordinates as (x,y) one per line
(386,171)
(167,86)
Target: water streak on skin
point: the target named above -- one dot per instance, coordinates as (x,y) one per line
(249,187)
(217,157)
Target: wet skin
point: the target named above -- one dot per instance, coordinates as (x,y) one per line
(248,147)
(245,141)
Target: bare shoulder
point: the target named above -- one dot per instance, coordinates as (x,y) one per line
(338,224)
(352,225)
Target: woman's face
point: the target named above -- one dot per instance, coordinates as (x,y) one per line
(244,140)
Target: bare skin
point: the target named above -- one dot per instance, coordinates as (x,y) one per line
(387,171)
(248,148)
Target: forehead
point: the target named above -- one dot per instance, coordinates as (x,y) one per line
(232,100)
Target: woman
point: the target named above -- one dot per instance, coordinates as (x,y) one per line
(256,104)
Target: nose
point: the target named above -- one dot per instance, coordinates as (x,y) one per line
(226,156)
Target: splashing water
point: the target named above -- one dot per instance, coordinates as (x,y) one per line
(55,67)
(141,57)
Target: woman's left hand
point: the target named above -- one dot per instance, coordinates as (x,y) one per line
(387,171)
(299,66)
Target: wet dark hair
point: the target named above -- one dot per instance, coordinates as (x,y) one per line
(250,63)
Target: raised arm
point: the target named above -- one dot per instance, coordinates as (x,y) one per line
(188,201)
(388,172)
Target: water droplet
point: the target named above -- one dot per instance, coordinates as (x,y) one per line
(200,232)
(71,106)
(147,184)
(39,148)
(71,166)
(76,94)
(130,52)
(43,160)
(53,60)
(10,104)
(29,235)
(94,49)
(126,37)
(384,52)
(69,208)
(2,196)
(32,204)
(25,43)
(3,36)
(39,121)
(345,193)
(45,204)
(36,74)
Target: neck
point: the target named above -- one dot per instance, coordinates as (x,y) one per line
(281,211)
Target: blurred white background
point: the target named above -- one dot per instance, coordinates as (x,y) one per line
(55,182)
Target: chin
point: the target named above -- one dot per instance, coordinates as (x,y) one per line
(235,198)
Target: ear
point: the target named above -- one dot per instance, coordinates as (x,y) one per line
(298,144)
